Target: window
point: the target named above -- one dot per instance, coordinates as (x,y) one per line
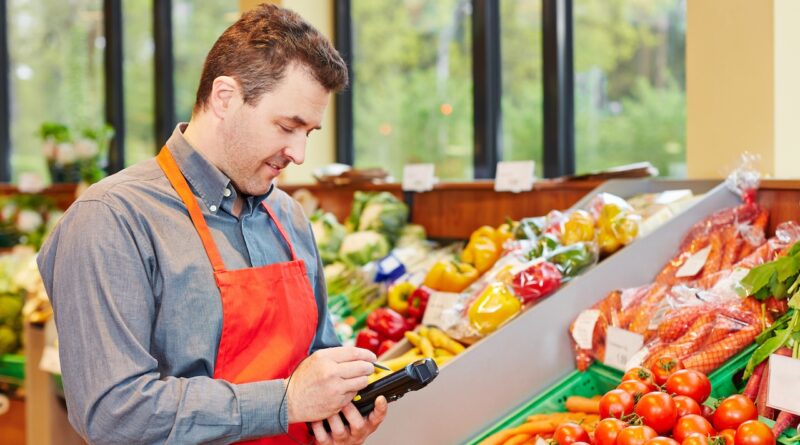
(195,28)
(630,95)
(521,72)
(412,89)
(138,69)
(56,73)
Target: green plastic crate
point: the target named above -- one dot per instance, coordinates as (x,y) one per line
(595,381)
(727,380)
(12,367)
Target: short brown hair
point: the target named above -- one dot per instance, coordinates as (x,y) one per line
(257,49)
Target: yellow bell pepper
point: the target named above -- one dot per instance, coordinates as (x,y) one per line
(504,233)
(495,306)
(579,227)
(450,276)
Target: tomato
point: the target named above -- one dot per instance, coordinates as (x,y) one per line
(729,436)
(643,375)
(661,440)
(607,430)
(696,439)
(687,405)
(733,411)
(635,388)
(690,383)
(690,424)
(754,432)
(636,435)
(658,411)
(581,443)
(616,403)
(569,432)
(664,367)
(707,412)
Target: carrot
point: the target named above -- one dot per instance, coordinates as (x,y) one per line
(557,417)
(497,438)
(783,421)
(751,390)
(577,404)
(714,259)
(731,252)
(518,439)
(761,395)
(538,427)
(714,355)
(677,323)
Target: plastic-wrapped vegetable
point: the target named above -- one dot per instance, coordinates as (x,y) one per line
(536,281)
(579,227)
(328,234)
(360,248)
(493,308)
(571,260)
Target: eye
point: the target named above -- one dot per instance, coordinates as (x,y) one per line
(286,129)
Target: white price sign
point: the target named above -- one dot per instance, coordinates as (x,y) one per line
(419,177)
(514,176)
(439,304)
(783,392)
(694,264)
(621,345)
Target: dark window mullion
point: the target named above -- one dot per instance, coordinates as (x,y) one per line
(164,64)
(558,75)
(115,109)
(345,150)
(486,87)
(5,98)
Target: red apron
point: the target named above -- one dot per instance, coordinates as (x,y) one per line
(269,312)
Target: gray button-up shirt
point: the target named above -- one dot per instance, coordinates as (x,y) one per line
(139,314)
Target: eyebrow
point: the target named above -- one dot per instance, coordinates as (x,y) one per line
(299,121)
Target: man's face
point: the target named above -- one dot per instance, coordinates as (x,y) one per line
(259,141)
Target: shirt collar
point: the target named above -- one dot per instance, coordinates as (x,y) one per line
(207,180)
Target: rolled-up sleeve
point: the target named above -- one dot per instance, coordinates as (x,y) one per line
(95,270)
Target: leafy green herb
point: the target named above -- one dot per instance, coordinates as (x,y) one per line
(779,278)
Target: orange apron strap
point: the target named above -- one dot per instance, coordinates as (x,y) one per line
(280,229)
(167,163)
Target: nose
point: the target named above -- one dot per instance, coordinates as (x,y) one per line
(296,151)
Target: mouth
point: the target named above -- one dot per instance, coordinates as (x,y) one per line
(276,166)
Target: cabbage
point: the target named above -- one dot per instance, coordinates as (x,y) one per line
(328,234)
(360,248)
(381,212)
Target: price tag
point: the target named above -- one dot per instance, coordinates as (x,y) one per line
(583,329)
(621,345)
(439,305)
(783,392)
(637,359)
(514,176)
(694,264)
(50,361)
(540,441)
(419,178)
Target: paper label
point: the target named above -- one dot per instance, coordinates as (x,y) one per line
(583,328)
(439,305)
(50,361)
(694,264)
(419,177)
(637,359)
(783,392)
(621,345)
(514,176)
(540,441)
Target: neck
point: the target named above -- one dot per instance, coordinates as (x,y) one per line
(202,134)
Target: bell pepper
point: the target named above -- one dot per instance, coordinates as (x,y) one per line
(387,323)
(572,259)
(399,295)
(368,339)
(495,306)
(543,247)
(504,233)
(529,228)
(536,281)
(418,302)
(450,276)
(385,346)
(481,251)
(579,227)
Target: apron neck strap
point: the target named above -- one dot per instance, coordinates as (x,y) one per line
(280,229)
(175,177)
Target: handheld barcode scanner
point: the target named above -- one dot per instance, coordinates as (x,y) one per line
(413,377)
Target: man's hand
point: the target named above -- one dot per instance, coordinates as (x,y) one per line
(327,381)
(358,431)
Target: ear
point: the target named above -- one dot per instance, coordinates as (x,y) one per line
(226,95)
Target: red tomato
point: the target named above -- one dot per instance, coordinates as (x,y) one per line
(616,403)
(691,424)
(690,383)
(569,432)
(635,388)
(658,411)
(664,367)
(754,432)
(707,412)
(581,443)
(696,439)
(734,411)
(660,440)
(729,436)
(607,431)
(636,435)
(687,405)
(643,375)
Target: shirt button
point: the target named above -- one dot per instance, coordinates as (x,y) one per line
(213,208)
(227,192)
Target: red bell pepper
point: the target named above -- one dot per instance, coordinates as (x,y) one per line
(368,339)
(418,302)
(387,323)
(385,346)
(537,281)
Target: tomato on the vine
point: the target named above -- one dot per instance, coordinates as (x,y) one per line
(707,412)
(687,405)
(695,439)
(754,432)
(728,435)
(636,435)
(657,411)
(664,367)
(635,388)
(607,430)
(691,424)
(661,440)
(569,432)
(733,411)
(690,383)
(641,374)
(616,403)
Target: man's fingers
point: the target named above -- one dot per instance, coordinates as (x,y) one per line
(349,370)
(343,354)
(320,434)
(339,432)
(354,385)
(356,420)
(379,413)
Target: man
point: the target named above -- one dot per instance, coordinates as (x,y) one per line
(188,291)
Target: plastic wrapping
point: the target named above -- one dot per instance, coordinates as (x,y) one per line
(746,179)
